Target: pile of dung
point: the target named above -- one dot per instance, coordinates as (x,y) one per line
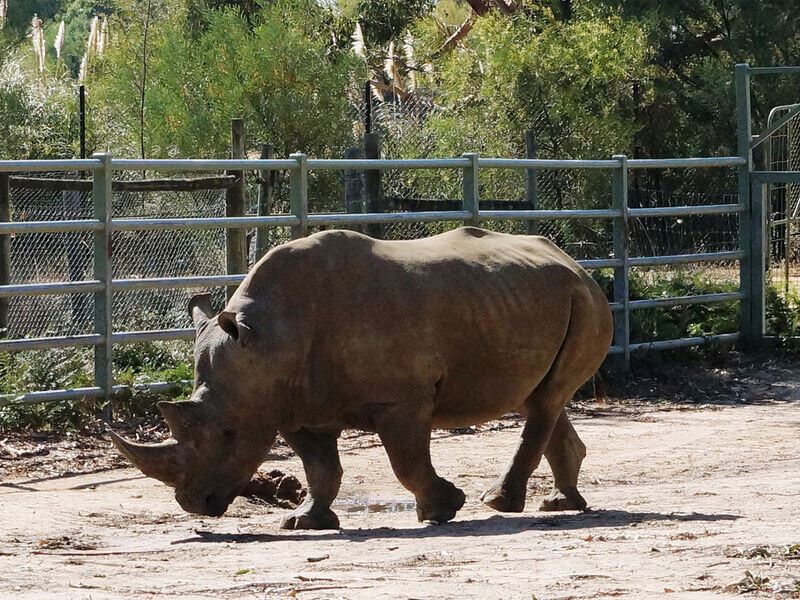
(276,488)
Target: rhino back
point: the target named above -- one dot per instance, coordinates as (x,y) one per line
(471,320)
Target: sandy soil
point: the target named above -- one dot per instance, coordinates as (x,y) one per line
(688,501)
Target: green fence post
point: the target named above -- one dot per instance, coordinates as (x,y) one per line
(622,328)
(470,199)
(298,195)
(102,201)
(751,276)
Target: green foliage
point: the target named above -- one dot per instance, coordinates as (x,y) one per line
(61,368)
(276,71)
(35,116)
(576,77)
(386,20)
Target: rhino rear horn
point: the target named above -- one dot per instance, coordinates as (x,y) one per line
(162,461)
(183,417)
(200,309)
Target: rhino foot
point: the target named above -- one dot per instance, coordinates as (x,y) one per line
(447,503)
(563,500)
(300,519)
(503,501)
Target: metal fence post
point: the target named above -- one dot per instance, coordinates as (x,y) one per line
(266,187)
(531,184)
(102,201)
(236,239)
(354,186)
(373,186)
(622,329)
(751,265)
(5,248)
(471,198)
(757,266)
(298,195)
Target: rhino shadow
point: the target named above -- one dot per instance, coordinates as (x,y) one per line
(494,525)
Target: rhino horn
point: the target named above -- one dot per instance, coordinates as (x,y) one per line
(200,309)
(162,461)
(183,417)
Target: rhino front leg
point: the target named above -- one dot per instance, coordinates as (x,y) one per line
(407,439)
(320,457)
(565,453)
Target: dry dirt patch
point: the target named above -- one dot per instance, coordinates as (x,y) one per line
(689,501)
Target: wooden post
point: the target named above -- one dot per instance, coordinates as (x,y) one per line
(531,186)
(354,186)
(373,190)
(236,239)
(5,249)
(266,187)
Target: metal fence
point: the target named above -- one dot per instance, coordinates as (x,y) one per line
(108,229)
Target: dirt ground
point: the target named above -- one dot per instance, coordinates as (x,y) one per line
(693,478)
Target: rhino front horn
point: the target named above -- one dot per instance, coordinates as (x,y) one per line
(161,461)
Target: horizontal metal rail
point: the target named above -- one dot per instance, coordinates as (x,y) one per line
(153,335)
(773,70)
(546,215)
(19,166)
(679,301)
(43,343)
(40,289)
(682,211)
(167,283)
(656,261)
(156,387)
(371,164)
(51,396)
(181,164)
(400,217)
(600,263)
(541,163)
(722,338)
(13,227)
(205,223)
(776,176)
(686,163)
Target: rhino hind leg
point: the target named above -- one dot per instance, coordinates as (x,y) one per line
(507,494)
(547,429)
(406,438)
(320,457)
(565,453)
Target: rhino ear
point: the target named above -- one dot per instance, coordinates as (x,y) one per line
(200,309)
(183,417)
(232,324)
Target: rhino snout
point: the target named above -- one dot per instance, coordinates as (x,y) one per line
(209,505)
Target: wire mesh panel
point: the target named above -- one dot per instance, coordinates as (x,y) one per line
(164,253)
(783,154)
(50,257)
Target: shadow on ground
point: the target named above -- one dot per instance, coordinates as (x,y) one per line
(489,526)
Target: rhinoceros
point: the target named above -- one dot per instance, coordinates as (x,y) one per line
(338,330)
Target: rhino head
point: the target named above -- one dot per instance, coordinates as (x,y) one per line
(223,432)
